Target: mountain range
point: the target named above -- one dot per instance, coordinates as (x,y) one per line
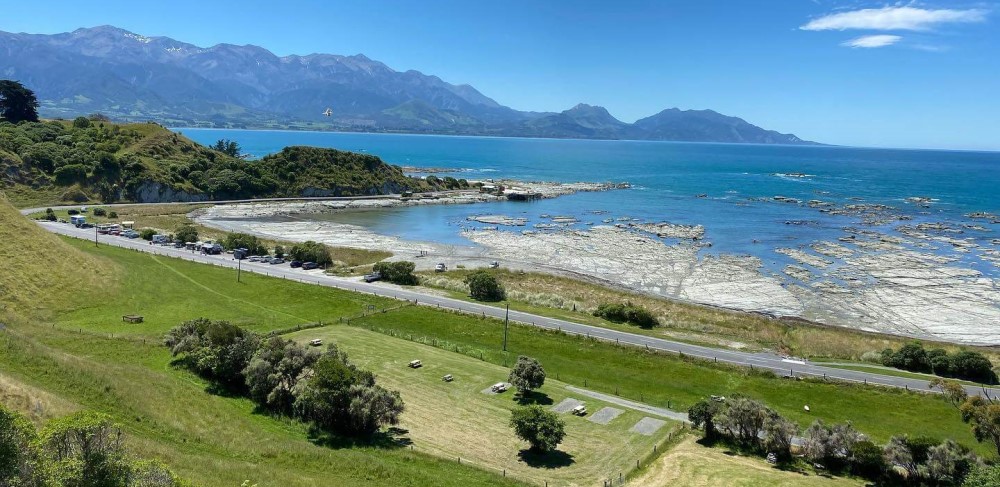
(133,77)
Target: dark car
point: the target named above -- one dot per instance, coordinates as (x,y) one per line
(309,265)
(296,263)
(374,276)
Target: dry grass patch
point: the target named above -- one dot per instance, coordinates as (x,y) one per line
(38,405)
(692,465)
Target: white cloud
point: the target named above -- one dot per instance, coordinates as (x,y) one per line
(894,18)
(880,40)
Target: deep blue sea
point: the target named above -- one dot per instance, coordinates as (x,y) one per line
(667,179)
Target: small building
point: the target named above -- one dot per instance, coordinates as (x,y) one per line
(128,225)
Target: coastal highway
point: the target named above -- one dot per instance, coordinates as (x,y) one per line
(783,366)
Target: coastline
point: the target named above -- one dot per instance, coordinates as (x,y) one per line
(870,281)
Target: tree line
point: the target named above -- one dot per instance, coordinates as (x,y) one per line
(752,426)
(322,388)
(964,364)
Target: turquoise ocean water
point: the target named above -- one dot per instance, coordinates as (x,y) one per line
(736,183)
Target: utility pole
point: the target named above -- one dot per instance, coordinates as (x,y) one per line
(506,322)
(239,269)
(95,236)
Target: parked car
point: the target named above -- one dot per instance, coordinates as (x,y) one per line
(276,260)
(580,410)
(315,342)
(499,387)
(374,276)
(307,266)
(295,263)
(494,265)
(240,254)
(415,364)
(440,268)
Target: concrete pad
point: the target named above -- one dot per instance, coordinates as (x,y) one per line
(566,405)
(648,426)
(489,390)
(605,415)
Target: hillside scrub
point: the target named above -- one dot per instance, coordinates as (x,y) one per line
(102,161)
(82,449)
(310,251)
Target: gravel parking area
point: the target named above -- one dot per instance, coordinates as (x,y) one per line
(605,415)
(648,426)
(566,405)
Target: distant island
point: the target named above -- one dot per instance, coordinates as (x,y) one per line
(130,77)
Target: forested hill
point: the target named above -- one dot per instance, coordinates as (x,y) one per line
(92,160)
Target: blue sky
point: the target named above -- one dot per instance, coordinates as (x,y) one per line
(913,74)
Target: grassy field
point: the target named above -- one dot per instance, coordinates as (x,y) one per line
(576,299)
(691,465)
(663,379)
(455,419)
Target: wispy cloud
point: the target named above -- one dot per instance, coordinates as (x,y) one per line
(894,18)
(880,40)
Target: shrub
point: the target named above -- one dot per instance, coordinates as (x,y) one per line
(100,212)
(627,313)
(397,272)
(186,233)
(50,215)
(72,212)
(20,458)
(484,286)
(702,415)
(866,459)
(81,123)
(311,252)
(218,350)
(965,364)
(542,429)
(113,215)
(253,244)
(147,233)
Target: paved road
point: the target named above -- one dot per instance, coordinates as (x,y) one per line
(768,361)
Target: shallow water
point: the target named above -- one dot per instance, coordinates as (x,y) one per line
(668,179)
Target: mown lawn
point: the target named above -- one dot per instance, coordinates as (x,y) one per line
(663,380)
(456,419)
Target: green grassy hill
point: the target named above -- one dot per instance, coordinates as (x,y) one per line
(41,270)
(89,161)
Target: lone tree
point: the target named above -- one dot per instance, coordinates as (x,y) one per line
(228,147)
(542,429)
(484,286)
(186,233)
(17,103)
(702,415)
(527,375)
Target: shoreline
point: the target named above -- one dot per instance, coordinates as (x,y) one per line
(868,280)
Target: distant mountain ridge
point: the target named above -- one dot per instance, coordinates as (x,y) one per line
(134,77)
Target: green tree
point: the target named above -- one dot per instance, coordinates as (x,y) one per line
(238,240)
(81,123)
(21,462)
(147,233)
(274,371)
(397,272)
(17,103)
(186,233)
(218,350)
(778,434)
(743,419)
(310,251)
(87,449)
(484,286)
(527,375)
(228,147)
(984,417)
(542,429)
(866,459)
(702,415)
